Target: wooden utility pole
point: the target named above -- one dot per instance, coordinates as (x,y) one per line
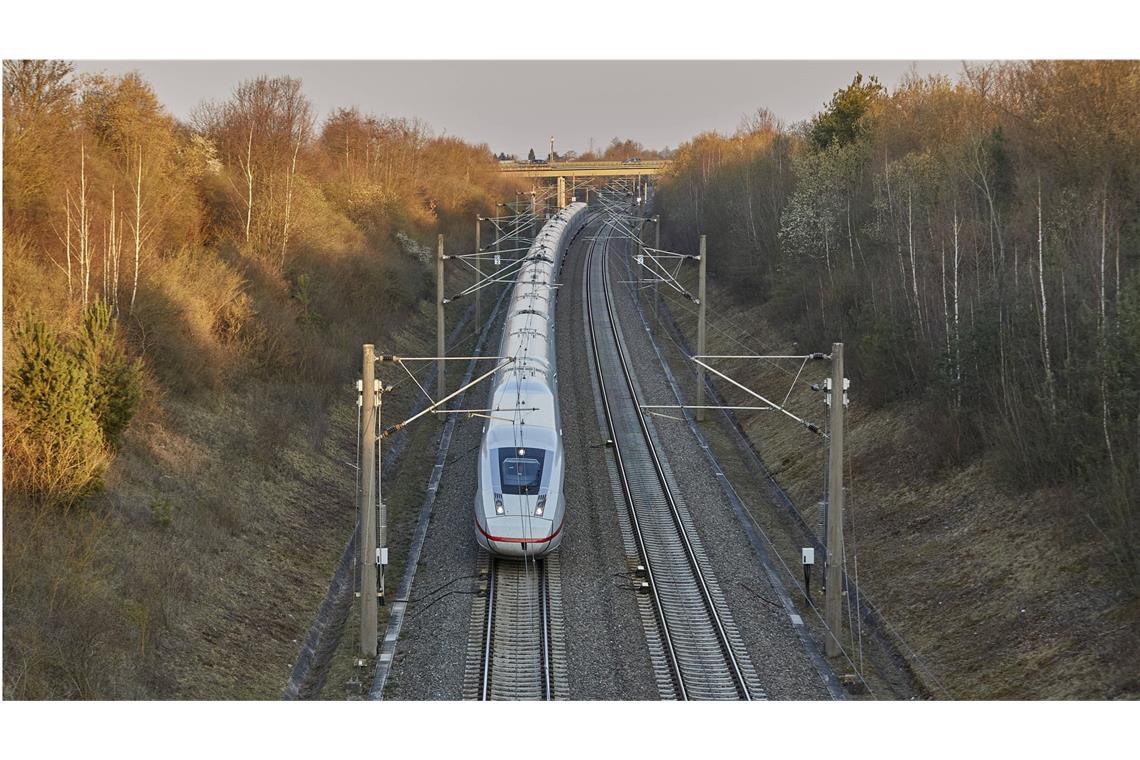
(638,256)
(478,276)
(381,511)
(440,338)
(701,334)
(367,491)
(533,216)
(561,192)
(834,601)
(656,280)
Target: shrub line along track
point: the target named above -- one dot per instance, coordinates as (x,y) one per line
(706,655)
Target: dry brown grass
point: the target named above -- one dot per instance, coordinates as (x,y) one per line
(195,571)
(203,556)
(225,510)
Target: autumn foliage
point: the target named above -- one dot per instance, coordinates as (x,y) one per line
(175,267)
(976,247)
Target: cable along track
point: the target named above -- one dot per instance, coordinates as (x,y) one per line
(515,651)
(705,653)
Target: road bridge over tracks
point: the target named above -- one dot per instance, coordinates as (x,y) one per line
(561,171)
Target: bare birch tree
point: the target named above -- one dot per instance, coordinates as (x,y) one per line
(84,226)
(247,169)
(67,207)
(289,200)
(1044,304)
(138,233)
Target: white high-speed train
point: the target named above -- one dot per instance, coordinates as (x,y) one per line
(519,506)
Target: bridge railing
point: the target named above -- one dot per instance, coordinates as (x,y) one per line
(569,167)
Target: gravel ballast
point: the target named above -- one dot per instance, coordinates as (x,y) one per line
(784,667)
(607,655)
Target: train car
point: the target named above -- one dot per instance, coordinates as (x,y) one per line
(519,506)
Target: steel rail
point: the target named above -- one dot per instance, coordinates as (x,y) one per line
(673,643)
(547,688)
(670,650)
(504,640)
(485,689)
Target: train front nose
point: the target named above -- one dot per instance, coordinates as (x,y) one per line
(518,535)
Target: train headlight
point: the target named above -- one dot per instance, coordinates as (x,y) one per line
(499,504)
(540,505)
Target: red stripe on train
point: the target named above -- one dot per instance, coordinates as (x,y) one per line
(504,540)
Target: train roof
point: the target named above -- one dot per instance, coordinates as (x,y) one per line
(522,399)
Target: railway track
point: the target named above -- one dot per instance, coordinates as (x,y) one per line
(704,652)
(515,650)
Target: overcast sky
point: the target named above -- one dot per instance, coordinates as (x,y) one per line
(517,105)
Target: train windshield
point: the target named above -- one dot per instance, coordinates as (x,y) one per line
(521,469)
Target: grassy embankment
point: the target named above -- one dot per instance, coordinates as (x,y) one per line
(1002,593)
(196,567)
